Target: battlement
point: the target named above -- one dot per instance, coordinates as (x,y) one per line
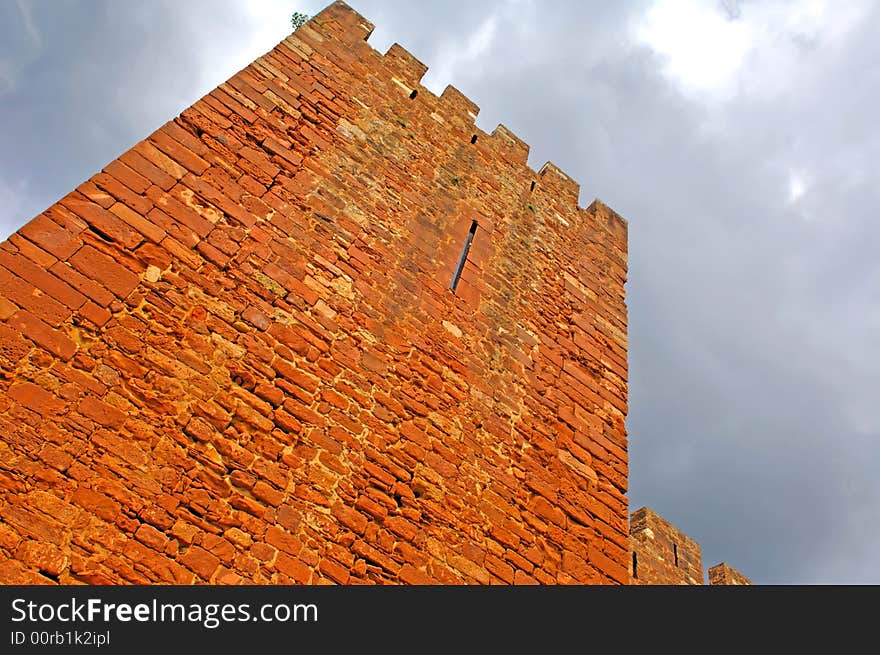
(406,71)
(663,555)
(723,574)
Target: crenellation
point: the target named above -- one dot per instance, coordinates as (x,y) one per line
(563,188)
(660,554)
(460,106)
(517,149)
(724,574)
(405,65)
(345,20)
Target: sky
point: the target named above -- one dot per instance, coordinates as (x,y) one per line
(740,141)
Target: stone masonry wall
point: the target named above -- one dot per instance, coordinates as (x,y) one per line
(723,574)
(233,355)
(661,554)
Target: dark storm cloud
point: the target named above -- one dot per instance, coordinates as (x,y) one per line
(754,287)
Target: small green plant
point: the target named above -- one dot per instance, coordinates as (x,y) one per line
(269,284)
(297,20)
(456,180)
(532,207)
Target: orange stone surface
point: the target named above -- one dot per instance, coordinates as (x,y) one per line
(233,355)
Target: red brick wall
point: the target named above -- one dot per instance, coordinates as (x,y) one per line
(233,354)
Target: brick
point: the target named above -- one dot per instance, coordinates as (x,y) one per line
(105,271)
(350,518)
(50,236)
(170,210)
(36,398)
(200,561)
(160,160)
(293,568)
(285,152)
(147,170)
(110,227)
(32,251)
(151,537)
(32,524)
(101,412)
(43,557)
(136,221)
(122,193)
(43,280)
(177,151)
(256,318)
(55,457)
(333,571)
(219,199)
(260,159)
(267,493)
(27,296)
(120,446)
(99,504)
(185,138)
(83,284)
(7,308)
(127,176)
(55,341)
(95,313)
(413,576)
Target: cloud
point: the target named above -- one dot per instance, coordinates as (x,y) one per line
(455,54)
(797,186)
(23,45)
(24,9)
(702,47)
(718,50)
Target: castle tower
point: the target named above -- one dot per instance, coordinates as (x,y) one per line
(318,328)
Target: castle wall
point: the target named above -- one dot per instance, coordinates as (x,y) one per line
(661,554)
(723,574)
(233,355)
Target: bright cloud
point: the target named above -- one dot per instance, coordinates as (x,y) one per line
(717,50)
(797,186)
(703,48)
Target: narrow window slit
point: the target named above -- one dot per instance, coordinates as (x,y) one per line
(675,553)
(474,138)
(412,96)
(532,187)
(635,566)
(464,254)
